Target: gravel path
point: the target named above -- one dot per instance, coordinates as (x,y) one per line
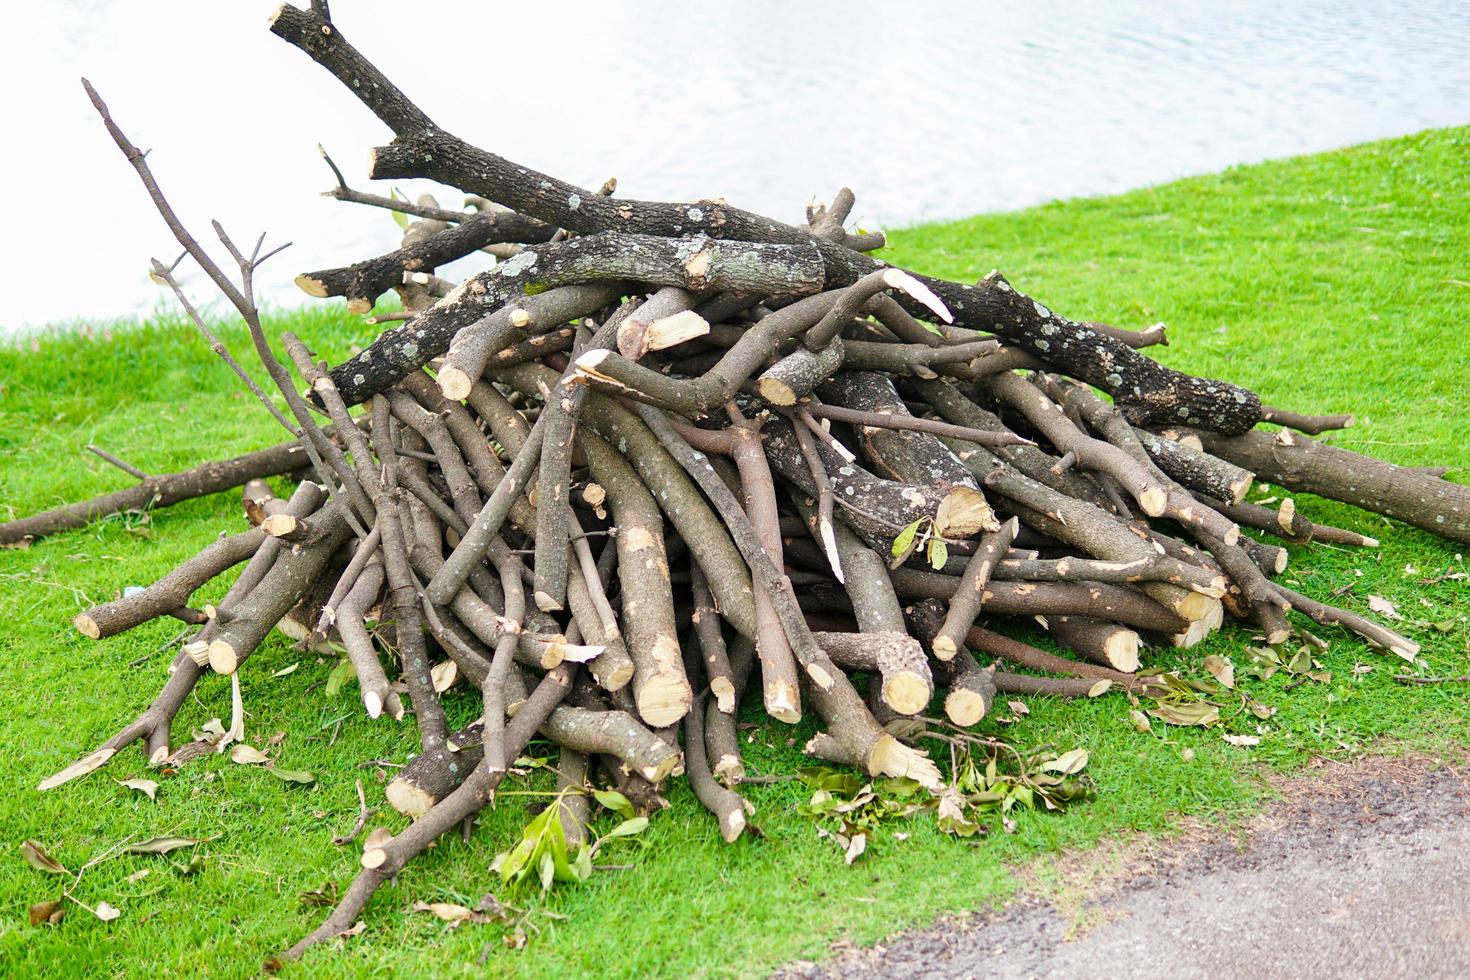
(1362,871)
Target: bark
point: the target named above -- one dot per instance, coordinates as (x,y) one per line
(680,500)
(363,282)
(721,735)
(372,683)
(660,686)
(692,263)
(1048,598)
(1108,644)
(970,687)
(1306,466)
(742,442)
(1149,391)
(969,595)
(473,347)
(294,570)
(160,491)
(171,591)
(1197,470)
(714,653)
(912,457)
(877,509)
(572,796)
(1027,656)
(897,658)
(728,807)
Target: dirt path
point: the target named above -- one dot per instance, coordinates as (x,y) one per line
(1362,870)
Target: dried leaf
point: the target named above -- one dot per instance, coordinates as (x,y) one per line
(105,912)
(37,858)
(163,845)
(145,786)
(444,675)
(1242,740)
(1220,668)
(287,670)
(1383,607)
(1067,763)
(46,913)
(855,848)
(247,755)
(292,775)
(1018,707)
(1200,713)
(1139,721)
(447,911)
(325,896)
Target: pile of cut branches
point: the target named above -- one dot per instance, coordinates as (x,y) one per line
(663,457)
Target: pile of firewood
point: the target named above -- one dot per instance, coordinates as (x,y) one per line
(663,457)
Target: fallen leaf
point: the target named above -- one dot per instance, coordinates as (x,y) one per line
(105,912)
(444,675)
(1067,763)
(37,858)
(287,670)
(1220,668)
(46,913)
(145,786)
(447,911)
(323,896)
(247,755)
(1383,607)
(1242,740)
(855,848)
(292,775)
(1199,713)
(1019,707)
(339,676)
(163,845)
(1139,721)
(195,863)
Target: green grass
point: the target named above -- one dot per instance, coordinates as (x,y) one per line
(1330,282)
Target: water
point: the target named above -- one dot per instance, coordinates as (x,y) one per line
(927,110)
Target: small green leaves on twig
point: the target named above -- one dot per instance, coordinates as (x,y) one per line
(543,850)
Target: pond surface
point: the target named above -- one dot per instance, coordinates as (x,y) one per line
(928,111)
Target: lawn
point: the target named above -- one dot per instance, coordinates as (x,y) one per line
(1332,282)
